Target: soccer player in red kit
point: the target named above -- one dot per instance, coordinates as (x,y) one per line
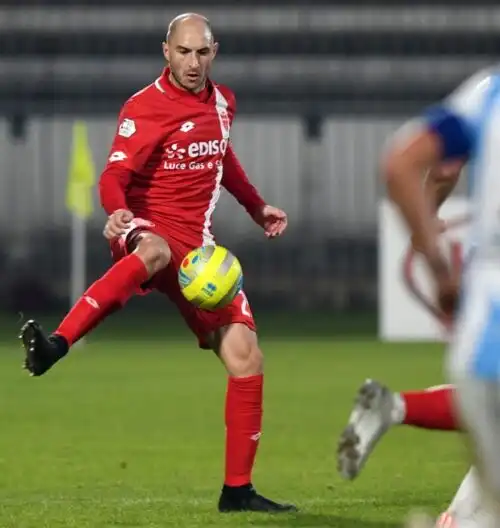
(169,158)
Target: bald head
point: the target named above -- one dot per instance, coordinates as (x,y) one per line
(189,21)
(189,49)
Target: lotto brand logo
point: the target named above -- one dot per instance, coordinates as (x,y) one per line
(187,126)
(117,156)
(92,302)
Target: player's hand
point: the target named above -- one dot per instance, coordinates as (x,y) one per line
(415,243)
(273,220)
(117,223)
(447,287)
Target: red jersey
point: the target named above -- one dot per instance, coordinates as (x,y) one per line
(170,157)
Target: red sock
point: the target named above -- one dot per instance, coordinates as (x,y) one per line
(243,427)
(431,409)
(106,295)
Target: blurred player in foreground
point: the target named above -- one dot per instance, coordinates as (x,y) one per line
(377,409)
(465,127)
(169,158)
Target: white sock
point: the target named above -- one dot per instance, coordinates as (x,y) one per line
(398,412)
(467,500)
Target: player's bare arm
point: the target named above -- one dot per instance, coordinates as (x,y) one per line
(404,167)
(441,181)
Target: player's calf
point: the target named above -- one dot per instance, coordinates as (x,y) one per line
(108,294)
(237,347)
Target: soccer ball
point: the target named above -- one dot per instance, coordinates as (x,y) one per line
(210,277)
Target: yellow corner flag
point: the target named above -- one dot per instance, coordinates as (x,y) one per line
(81,176)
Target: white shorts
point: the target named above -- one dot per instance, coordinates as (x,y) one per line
(473,365)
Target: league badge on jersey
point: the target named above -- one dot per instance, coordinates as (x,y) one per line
(221,107)
(224,121)
(127,128)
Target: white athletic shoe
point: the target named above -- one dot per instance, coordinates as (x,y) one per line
(369,421)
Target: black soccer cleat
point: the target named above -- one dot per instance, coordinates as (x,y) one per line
(42,352)
(246,499)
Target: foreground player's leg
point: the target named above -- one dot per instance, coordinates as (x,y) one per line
(238,349)
(377,409)
(477,397)
(466,508)
(470,508)
(106,295)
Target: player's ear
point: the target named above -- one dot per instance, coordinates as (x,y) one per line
(164,47)
(215,49)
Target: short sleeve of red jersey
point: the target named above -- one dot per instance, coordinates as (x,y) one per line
(137,135)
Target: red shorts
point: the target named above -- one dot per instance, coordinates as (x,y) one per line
(201,322)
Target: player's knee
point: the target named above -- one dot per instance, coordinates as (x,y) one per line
(154,252)
(245,360)
(237,347)
(255,361)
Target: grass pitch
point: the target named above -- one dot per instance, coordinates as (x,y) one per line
(128,431)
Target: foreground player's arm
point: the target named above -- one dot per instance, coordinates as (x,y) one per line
(404,168)
(447,136)
(439,184)
(236,181)
(441,181)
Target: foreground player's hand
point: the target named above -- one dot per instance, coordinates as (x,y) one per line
(447,288)
(273,220)
(117,223)
(416,244)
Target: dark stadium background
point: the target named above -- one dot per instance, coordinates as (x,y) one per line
(320,85)
(127,431)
